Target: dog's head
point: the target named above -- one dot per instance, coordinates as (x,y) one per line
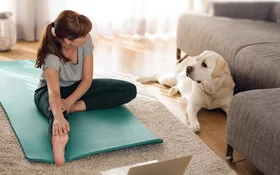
(208,65)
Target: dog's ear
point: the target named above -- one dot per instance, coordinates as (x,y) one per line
(220,69)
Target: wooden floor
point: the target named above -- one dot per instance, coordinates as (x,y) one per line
(145,57)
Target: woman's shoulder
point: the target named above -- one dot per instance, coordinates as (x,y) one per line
(52,59)
(88,47)
(88,42)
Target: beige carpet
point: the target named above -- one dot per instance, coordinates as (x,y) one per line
(178,141)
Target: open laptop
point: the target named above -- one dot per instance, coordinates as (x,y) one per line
(175,166)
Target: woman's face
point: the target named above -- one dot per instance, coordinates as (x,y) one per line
(78,42)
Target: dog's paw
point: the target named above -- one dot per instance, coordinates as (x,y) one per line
(172,91)
(194,126)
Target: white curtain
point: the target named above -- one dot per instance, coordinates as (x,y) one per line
(30,16)
(136,18)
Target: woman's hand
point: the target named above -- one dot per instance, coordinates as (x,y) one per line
(60,126)
(65,104)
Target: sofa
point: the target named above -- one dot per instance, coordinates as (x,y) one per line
(247,35)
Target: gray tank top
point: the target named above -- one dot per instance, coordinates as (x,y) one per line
(68,73)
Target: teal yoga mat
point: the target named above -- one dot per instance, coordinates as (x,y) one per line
(92,132)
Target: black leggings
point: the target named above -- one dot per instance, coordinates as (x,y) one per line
(102,94)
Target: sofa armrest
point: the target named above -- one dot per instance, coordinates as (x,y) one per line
(247,10)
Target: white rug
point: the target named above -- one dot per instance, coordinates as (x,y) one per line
(178,141)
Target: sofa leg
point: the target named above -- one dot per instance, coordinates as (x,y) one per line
(178,54)
(229,155)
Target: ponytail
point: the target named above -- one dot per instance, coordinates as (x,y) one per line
(49,45)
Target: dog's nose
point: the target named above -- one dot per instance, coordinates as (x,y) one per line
(189,70)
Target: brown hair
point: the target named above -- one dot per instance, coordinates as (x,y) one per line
(68,24)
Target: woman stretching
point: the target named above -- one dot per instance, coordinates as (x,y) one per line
(65,56)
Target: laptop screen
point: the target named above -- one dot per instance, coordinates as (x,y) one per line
(175,166)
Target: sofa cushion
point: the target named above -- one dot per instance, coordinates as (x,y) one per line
(196,33)
(253,128)
(257,66)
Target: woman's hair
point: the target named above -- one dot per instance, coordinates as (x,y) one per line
(68,24)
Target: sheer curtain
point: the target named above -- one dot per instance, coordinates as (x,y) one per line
(136,18)
(30,16)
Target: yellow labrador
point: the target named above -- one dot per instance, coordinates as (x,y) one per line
(204,81)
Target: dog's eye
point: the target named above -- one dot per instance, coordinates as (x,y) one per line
(203,64)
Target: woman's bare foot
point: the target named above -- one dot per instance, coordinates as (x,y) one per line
(58,144)
(76,107)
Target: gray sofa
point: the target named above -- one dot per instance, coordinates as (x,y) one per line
(247,35)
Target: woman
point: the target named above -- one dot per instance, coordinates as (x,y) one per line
(66,85)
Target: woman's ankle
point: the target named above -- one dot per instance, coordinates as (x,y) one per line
(77,107)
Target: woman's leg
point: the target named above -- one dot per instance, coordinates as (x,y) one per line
(103,93)
(108,93)
(41,99)
(76,107)
(66,91)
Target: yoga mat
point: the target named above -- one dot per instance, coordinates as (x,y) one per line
(92,132)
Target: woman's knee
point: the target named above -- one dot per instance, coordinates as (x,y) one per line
(42,102)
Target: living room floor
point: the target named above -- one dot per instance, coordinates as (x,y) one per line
(146,57)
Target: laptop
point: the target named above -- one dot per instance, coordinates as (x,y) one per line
(175,166)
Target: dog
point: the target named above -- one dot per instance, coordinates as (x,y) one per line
(205,81)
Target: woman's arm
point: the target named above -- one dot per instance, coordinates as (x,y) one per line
(85,82)
(60,124)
